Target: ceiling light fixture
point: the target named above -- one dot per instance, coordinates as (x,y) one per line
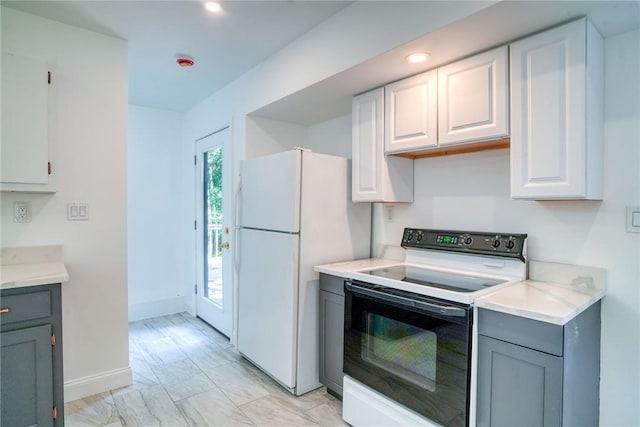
(416,58)
(213,7)
(185,62)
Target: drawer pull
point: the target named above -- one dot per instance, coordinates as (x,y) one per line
(4,310)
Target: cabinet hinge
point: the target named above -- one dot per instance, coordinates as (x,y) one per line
(54,413)
(48,77)
(195,224)
(195,160)
(49,168)
(195,289)
(53,340)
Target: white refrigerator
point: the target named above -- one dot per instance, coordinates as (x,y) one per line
(295,212)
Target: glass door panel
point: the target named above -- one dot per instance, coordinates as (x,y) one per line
(212,218)
(214,299)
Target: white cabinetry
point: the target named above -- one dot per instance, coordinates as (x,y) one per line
(26,161)
(411,115)
(376,177)
(556,114)
(463,103)
(473,99)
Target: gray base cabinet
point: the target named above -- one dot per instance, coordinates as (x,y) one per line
(331,332)
(532,373)
(31,383)
(523,386)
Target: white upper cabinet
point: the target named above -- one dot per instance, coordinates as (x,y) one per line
(376,177)
(411,115)
(26,164)
(473,98)
(556,114)
(466,102)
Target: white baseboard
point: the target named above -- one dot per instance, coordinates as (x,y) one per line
(163,307)
(99,383)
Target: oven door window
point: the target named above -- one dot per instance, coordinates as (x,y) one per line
(402,349)
(419,359)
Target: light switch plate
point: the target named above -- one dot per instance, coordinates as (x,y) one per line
(77,211)
(633,219)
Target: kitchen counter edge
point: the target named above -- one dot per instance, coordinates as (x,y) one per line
(548,302)
(35,274)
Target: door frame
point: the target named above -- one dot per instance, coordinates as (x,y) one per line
(229,301)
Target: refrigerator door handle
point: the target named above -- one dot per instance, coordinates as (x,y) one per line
(236,237)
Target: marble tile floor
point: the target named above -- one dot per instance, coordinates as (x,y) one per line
(187,374)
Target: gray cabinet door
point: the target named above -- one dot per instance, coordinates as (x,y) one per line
(331,336)
(517,386)
(27,377)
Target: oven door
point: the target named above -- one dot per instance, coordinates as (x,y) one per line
(413,349)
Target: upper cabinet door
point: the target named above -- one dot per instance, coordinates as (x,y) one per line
(411,113)
(556,114)
(473,98)
(25,124)
(367,145)
(376,177)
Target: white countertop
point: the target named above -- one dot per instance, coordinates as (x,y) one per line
(20,275)
(32,266)
(540,298)
(555,292)
(549,302)
(344,269)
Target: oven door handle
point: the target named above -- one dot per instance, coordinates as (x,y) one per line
(431,307)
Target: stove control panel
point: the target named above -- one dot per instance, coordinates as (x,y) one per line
(471,242)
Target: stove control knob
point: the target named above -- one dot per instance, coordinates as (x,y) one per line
(467,240)
(510,244)
(410,236)
(495,243)
(419,237)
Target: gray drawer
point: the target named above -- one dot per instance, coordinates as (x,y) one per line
(21,307)
(333,284)
(530,333)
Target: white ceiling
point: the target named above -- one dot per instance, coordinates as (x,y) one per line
(496,25)
(223,46)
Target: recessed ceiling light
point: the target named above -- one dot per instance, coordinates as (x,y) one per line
(213,7)
(418,57)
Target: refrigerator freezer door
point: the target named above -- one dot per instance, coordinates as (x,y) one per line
(268,294)
(270,195)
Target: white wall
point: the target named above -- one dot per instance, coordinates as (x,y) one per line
(371,28)
(89,128)
(471,191)
(157,284)
(272,136)
(331,137)
(356,34)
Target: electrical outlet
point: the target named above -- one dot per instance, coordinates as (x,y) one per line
(22,212)
(389,209)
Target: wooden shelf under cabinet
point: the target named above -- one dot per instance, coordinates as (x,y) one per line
(457,149)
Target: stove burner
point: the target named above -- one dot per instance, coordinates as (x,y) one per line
(437,279)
